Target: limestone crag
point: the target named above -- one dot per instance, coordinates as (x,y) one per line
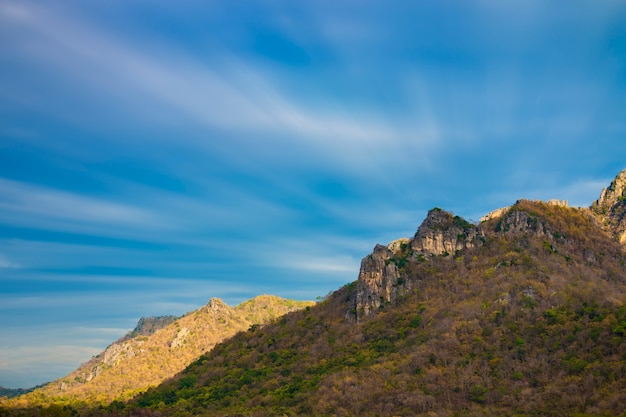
(376,282)
(112,356)
(441,232)
(147,326)
(381,276)
(519,221)
(398,244)
(555,202)
(496,214)
(216,305)
(611,207)
(180,339)
(118,352)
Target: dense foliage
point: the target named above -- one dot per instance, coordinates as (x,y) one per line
(532,323)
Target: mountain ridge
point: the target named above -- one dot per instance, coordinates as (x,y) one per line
(148,325)
(444,234)
(523,314)
(155,350)
(529,319)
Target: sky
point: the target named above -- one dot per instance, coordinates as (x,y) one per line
(155,154)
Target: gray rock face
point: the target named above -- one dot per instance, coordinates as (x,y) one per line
(441,232)
(495,214)
(112,356)
(376,282)
(380,278)
(611,207)
(519,221)
(180,338)
(148,325)
(498,213)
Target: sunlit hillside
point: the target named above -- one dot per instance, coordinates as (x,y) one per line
(530,322)
(131,365)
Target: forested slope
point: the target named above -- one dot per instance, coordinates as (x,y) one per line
(530,322)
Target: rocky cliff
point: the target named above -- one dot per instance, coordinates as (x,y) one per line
(611,207)
(383,274)
(378,279)
(442,232)
(148,325)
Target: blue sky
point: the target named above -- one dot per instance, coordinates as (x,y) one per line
(155,154)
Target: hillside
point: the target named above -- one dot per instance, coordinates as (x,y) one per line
(14,392)
(147,326)
(523,314)
(155,350)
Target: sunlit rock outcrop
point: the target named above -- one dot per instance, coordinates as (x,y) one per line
(376,282)
(442,232)
(611,207)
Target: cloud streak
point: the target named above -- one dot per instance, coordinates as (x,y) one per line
(232,97)
(30,205)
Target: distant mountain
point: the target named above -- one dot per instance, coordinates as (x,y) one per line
(15,392)
(523,314)
(157,349)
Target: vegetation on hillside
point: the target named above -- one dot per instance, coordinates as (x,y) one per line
(15,392)
(530,323)
(146,359)
(148,325)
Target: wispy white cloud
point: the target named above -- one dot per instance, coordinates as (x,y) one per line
(331,264)
(146,212)
(178,294)
(231,95)
(29,205)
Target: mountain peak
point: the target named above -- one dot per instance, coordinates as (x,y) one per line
(611,207)
(148,325)
(442,232)
(614,193)
(215,303)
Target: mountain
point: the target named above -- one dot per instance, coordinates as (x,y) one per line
(611,207)
(147,326)
(523,314)
(157,349)
(14,392)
